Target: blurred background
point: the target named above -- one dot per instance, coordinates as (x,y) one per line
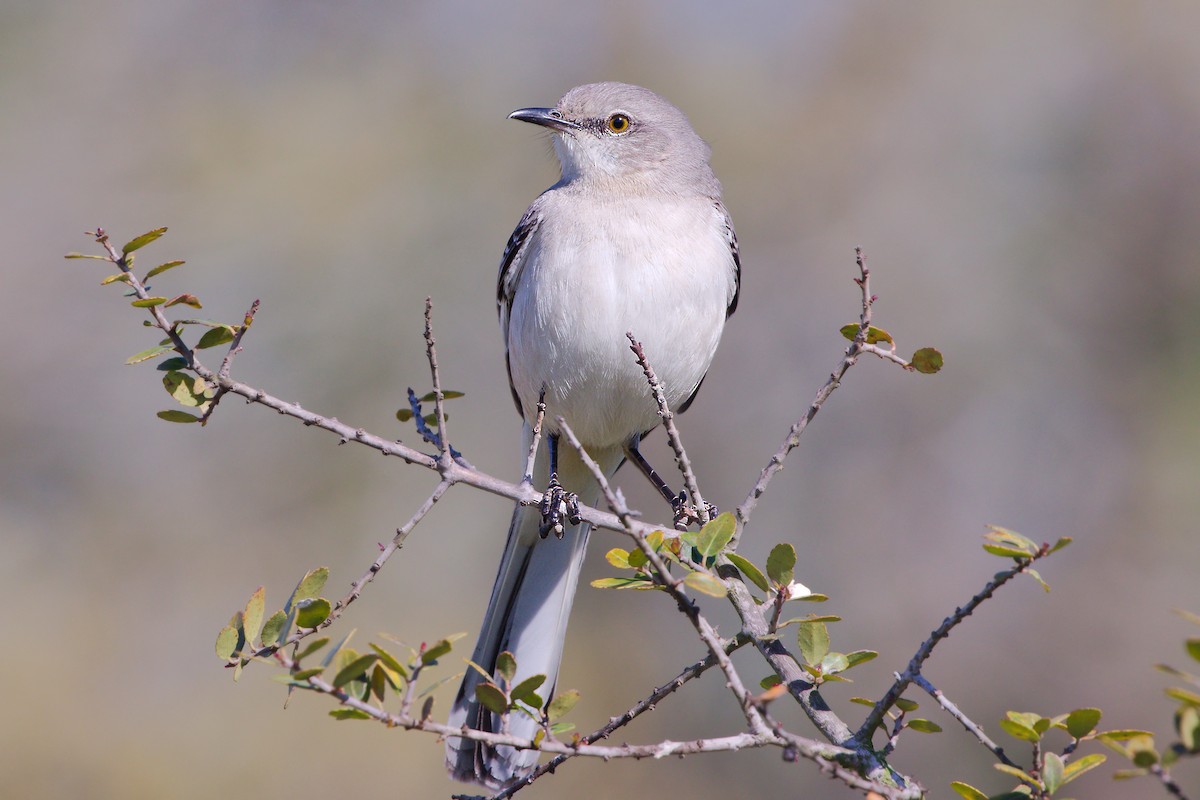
(1024,178)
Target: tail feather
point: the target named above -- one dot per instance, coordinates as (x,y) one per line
(527,616)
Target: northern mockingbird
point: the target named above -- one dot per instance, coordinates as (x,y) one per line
(634,237)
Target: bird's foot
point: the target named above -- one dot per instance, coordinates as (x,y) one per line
(687,514)
(558,504)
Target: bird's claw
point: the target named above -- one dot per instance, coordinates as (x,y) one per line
(687,514)
(558,504)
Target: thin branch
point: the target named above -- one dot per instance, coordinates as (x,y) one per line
(439,399)
(969,724)
(538,419)
(941,632)
(792,440)
(668,419)
(1168,782)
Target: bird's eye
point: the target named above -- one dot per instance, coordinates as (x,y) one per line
(618,124)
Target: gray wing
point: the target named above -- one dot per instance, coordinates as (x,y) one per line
(511,265)
(736,261)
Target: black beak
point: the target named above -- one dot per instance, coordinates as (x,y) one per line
(547,117)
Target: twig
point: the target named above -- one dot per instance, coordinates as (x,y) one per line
(357,587)
(963,719)
(668,419)
(538,419)
(1164,776)
(792,440)
(875,717)
(235,347)
(438,399)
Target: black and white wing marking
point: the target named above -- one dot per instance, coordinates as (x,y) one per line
(511,265)
(731,237)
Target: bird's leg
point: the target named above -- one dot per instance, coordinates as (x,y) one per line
(557,502)
(684,513)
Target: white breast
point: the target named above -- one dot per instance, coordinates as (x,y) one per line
(663,271)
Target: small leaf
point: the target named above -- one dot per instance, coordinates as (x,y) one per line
(185,299)
(305,674)
(273,627)
(1019,731)
(716,535)
(149,353)
(1060,544)
(707,584)
(160,269)
(141,241)
(1142,751)
(312,647)
(216,336)
(85,255)
(1193,648)
(227,641)
(506,665)
(906,705)
(618,558)
(389,661)
(1006,552)
(813,639)
(1052,772)
(148,302)
(120,276)
(1082,721)
(998,534)
(310,586)
(562,704)
(781,563)
(927,361)
(404,414)
(311,612)
(770,681)
(1082,765)
(967,791)
(638,559)
(349,713)
(559,728)
(1037,576)
(354,670)
(252,617)
(874,335)
(751,572)
(833,663)
(491,697)
(447,394)
(526,688)
(173,364)
(1017,773)
(1187,724)
(1183,696)
(636,582)
(440,648)
(860,657)
(923,726)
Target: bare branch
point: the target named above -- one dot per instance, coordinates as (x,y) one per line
(969,724)
(439,410)
(538,419)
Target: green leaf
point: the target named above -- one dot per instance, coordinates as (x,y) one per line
(927,361)
(312,611)
(857,657)
(906,705)
(273,627)
(355,669)
(707,584)
(305,674)
(1187,723)
(813,639)
(1126,774)
(1060,544)
(562,704)
(1052,772)
(998,534)
(638,559)
(349,713)
(716,535)
(1142,751)
(440,648)
(149,353)
(447,394)
(310,586)
(781,563)
(1082,765)
(491,697)
(1019,731)
(923,726)
(252,617)
(187,390)
(312,647)
(506,665)
(1037,576)
(123,277)
(770,681)
(525,690)
(148,302)
(751,572)
(397,672)
(1017,773)
(1183,696)
(1193,648)
(173,364)
(635,582)
(141,241)
(85,255)
(1122,735)
(185,299)
(559,728)
(618,558)
(161,268)
(1006,552)
(874,335)
(833,663)
(227,641)
(404,414)
(216,336)
(967,791)
(1082,721)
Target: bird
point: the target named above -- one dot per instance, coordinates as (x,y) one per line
(633,238)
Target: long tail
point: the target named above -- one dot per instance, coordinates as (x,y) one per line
(526,616)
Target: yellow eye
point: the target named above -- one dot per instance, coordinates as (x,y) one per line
(618,124)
